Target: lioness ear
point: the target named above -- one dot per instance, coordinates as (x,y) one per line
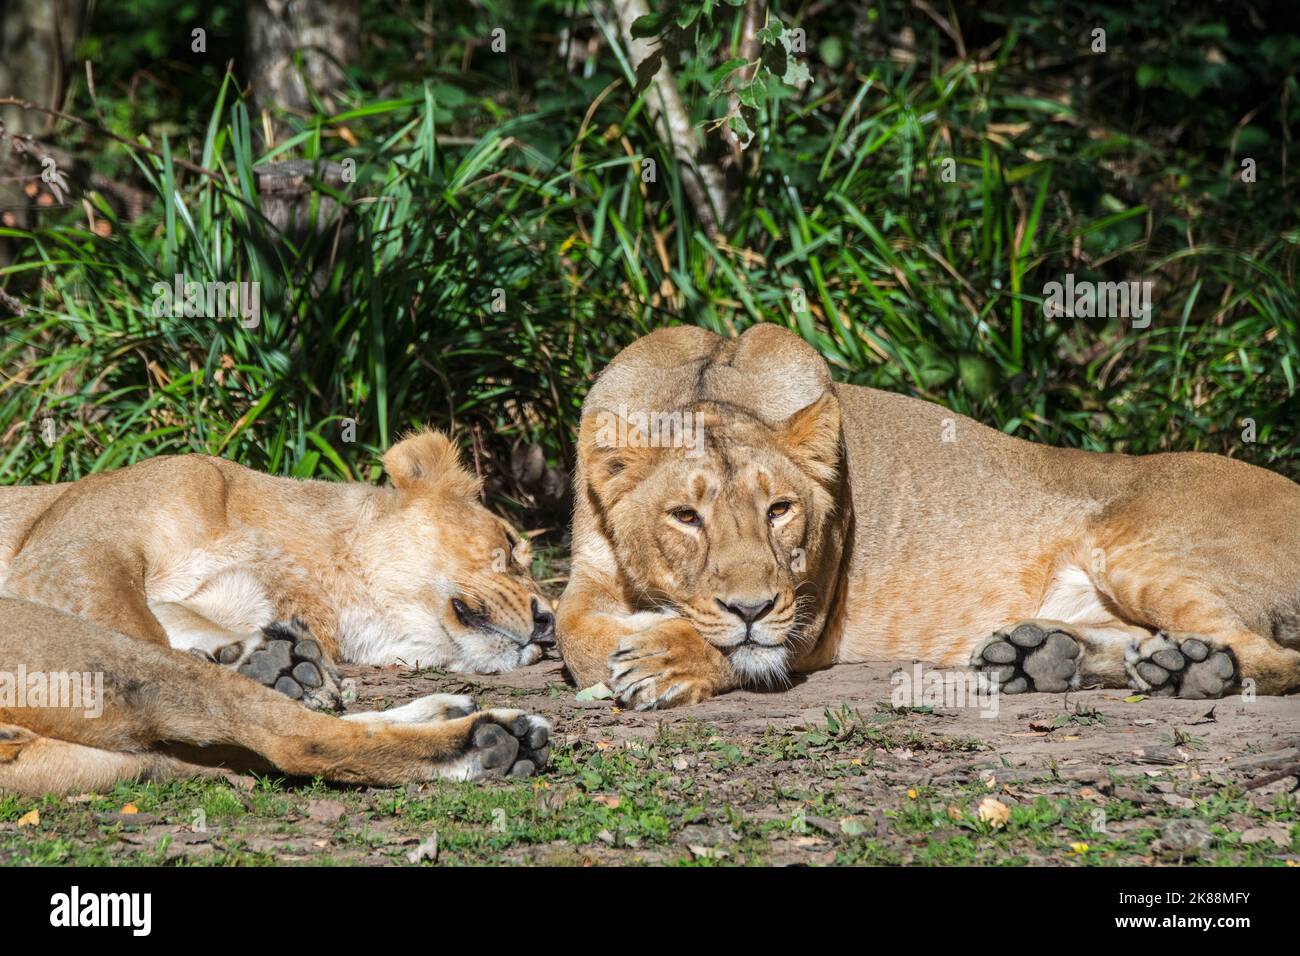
(811,437)
(614,454)
(429,461)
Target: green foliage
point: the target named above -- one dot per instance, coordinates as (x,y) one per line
(906,204)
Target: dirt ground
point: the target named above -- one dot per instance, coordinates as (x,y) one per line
(829,771)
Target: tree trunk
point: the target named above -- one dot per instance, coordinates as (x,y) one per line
(323,34)
(36,44)
(704,183)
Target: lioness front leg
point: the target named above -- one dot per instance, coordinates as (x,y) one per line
(648,659)
(282,655)
(1053,656)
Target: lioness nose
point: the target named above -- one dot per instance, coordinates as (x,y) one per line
(749,612)
(543,625)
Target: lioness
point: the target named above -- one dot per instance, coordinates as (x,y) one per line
(82,708)
(798,523)
(278,577)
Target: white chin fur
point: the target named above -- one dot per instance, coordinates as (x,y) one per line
(490,655)
(761,666)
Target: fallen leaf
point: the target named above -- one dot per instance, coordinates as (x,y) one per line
(851,827)
(595,692)
(130,808)
(428,850)
(610,801)
(809,841)
(994,813)
(1135,699)
(1079,848)
(32,819)
(707,852)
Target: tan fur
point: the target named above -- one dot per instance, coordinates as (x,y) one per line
(913,533)
(164,713)
(199,553)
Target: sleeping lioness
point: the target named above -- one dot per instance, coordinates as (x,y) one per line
(82,708)
(278,578)
(740,518)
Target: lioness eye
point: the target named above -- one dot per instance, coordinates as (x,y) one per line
(777,510)
(687,516)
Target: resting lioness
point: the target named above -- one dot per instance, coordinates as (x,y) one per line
(277,577)
(82,708)
(799,523)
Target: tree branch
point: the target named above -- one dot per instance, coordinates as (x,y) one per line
(704,183)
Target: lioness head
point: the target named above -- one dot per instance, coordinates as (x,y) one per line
(731,528)
(453,579)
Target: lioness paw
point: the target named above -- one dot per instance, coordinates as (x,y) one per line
(1029,657)
(292,662)
(502,743)
(1180,665)
(660,668)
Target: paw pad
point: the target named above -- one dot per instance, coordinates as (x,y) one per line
(1029,658)
(1165,666)
(516,745)
(293,663)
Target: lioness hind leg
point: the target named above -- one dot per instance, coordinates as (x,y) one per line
(1201,646)
(1051,656)
(31,765)
(1182,665)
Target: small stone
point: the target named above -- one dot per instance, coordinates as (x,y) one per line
(327,812)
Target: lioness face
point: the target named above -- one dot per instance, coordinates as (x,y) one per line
(730,536)
(460,575)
